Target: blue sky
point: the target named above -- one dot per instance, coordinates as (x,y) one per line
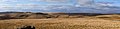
(69,2)
(43,5)
(11,2)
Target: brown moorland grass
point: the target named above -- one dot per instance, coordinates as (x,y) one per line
(61,23)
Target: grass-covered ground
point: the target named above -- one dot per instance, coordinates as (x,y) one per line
(24,20)
(61,23)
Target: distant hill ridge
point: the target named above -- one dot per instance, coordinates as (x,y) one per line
(57,13)
(30,15)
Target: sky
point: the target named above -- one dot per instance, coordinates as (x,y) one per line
(113,2)
(93,6)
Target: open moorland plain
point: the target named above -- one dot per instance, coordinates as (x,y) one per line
(28,20)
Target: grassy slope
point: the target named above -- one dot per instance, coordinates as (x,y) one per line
(61,23)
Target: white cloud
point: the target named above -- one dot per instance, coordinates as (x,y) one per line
(4,1)
(84,2)
(51,1)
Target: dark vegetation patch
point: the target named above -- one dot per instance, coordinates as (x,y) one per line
(104,17)
(87,14)
(27,27)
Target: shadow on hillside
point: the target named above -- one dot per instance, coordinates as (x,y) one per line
(5,17)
